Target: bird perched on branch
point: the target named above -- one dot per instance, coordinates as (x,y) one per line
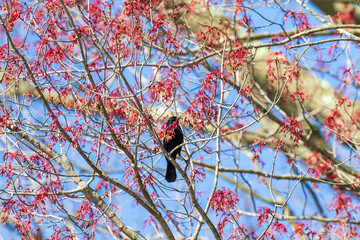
(173,138)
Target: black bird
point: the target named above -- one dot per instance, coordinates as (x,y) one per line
(173,138)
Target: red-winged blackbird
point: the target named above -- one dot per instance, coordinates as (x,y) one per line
(173,138)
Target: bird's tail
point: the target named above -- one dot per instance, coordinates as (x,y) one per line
(170,175)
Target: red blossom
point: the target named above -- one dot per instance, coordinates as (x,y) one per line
(291,127)
(164,90)
(300,20)
(299,228)
(258,145)
(278,227)
(341,204)
(238,58)
(197,174)
(151,221)
(245,92)
(299,96)
(321,165)
(221,225)
(346,16)
(264,214)
(223,200)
